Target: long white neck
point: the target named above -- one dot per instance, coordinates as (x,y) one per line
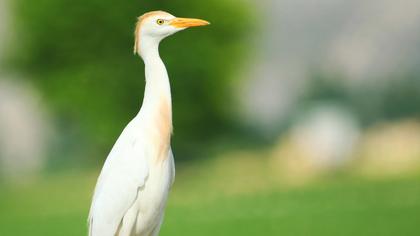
(157,104)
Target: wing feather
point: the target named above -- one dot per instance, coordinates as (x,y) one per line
(124,172)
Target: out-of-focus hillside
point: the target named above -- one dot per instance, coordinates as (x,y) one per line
(364,54)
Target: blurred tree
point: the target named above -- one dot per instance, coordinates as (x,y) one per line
(80,55)
(372,101)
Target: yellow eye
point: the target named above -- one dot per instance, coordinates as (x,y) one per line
(160,22)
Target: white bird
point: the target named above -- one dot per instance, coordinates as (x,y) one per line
(134,183)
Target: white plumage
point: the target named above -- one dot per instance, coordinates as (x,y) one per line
(133,186)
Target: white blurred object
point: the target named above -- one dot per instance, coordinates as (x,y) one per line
(328,135)
(322,140)
(23,131)
(23,125)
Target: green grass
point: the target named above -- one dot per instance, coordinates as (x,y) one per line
(341,208)
(57,205)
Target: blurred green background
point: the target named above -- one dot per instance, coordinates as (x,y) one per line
(290,117)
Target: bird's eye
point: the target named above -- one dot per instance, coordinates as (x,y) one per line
(160,21)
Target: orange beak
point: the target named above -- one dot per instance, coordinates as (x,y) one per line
(187,22)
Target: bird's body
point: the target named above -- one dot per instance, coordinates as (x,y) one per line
(132,189)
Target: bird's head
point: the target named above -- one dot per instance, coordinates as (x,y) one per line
(154,26)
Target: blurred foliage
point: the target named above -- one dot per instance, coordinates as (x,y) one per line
(371,101)
(79,53)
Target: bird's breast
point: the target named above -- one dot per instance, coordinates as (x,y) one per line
(158,130)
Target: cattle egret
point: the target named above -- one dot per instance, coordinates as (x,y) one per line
(132,189)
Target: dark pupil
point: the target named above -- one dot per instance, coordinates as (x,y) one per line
(160,21)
